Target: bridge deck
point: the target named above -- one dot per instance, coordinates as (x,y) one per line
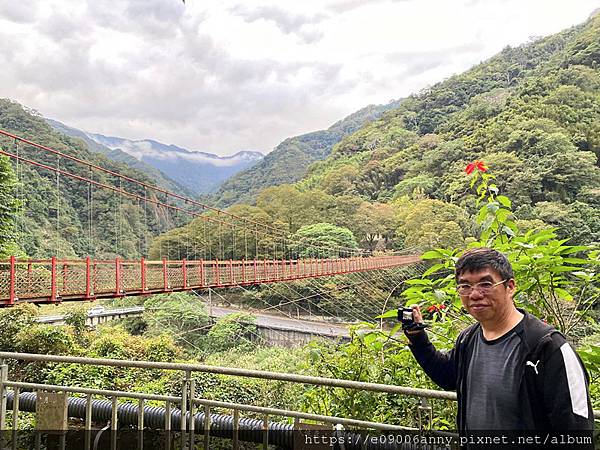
(54,280)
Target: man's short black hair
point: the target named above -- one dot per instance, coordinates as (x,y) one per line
(478,259)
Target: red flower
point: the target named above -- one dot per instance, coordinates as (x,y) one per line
(435,308)
(479,165)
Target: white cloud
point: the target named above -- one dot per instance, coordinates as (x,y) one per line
(228,75)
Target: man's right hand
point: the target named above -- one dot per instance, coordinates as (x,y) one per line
(417,317)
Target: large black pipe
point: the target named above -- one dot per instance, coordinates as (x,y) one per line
(249,430)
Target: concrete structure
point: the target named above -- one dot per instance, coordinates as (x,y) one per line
(273,329)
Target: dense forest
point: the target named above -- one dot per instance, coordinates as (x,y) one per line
(531,113)
(50,215)
(289,161)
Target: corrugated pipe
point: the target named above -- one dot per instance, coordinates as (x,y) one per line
(249,430)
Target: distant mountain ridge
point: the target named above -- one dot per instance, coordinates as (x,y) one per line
(290,160)
(198,172)
(117,155)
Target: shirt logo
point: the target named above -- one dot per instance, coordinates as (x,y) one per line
(529,363)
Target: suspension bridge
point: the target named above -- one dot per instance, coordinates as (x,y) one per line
(248,252)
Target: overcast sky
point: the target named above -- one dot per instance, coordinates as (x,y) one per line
(228,75)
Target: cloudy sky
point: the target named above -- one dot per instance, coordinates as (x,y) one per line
(228,75)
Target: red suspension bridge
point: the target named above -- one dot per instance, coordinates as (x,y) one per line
(268,258)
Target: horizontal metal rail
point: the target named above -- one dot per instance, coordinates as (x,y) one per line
(213,403)
(55,280)
(233,371)
(193,413)
(248,373)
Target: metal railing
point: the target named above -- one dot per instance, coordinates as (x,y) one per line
(189,415)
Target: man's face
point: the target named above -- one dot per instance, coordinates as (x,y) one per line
(488,305)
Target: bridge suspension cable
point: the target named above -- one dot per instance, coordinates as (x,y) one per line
(222,217)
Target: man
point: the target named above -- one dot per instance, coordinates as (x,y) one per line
(511,372)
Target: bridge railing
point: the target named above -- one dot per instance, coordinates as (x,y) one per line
(198,413)
(54,280)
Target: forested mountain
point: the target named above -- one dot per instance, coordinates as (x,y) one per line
(60,216)
(531,113)
(197,172)
(118,155)
(288,162)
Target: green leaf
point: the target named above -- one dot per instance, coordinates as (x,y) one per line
(418,282)
(433,269)
(578,261)
(488,222)
(560,269)
(575,249)
(564,294)
(370,338)
(504,201)
(432,254)
(493,207)
(508,231)
(502,215)
(392,313)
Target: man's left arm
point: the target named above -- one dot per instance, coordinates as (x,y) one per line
(566,390)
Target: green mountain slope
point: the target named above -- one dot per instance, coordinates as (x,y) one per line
(289,161)
(120,156)
(63,217)
(532,113)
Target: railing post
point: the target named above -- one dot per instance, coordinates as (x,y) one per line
(53,293)
(231,278)
(165,275)
(206,426)
(192,425)
(114,423)
(168,424)
(143,273)
(243,271)
(15,414)
(184,272)
(184,410)
(88,278)
(217,274)
(11,296)
(255,271)
(3,380)
(88,421)
(118,288)
(266,432)
(236,426)
(140,426)
(201,272)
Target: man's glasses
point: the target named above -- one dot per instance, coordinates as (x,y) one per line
(484,287)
